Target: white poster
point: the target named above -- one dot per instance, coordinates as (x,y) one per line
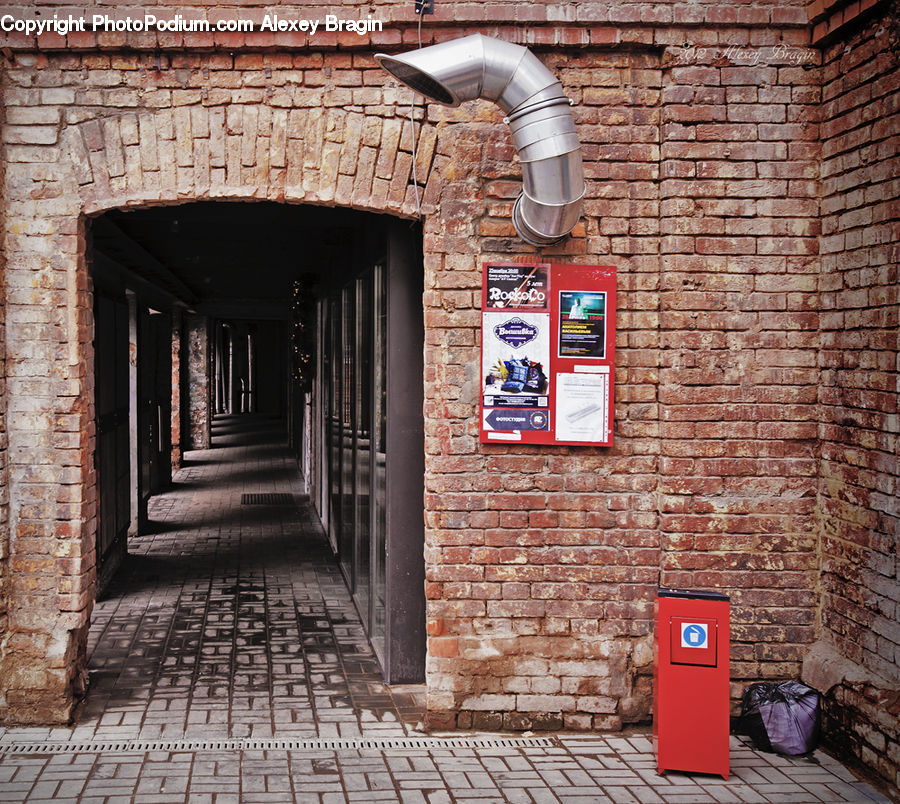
(582,407)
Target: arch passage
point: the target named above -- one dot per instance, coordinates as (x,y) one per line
(118,139)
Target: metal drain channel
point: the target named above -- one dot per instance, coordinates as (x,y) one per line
(249,744)
(267,498)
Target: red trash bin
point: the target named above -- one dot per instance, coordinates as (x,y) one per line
(690,695)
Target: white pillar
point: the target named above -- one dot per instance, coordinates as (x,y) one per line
(133,467)
(251,375)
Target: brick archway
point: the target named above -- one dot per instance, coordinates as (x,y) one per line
(247,151)
(56,177)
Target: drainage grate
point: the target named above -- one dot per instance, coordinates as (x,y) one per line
(250,744)
(267,499)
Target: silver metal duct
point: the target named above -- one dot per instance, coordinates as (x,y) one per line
(536,109)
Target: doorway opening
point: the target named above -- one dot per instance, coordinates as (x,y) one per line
(209,315)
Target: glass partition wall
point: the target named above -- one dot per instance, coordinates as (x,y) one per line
(367,440)
(378,509)
(352,390)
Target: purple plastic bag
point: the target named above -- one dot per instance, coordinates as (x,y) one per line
(781,717)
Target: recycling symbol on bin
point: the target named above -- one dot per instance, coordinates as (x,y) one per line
(694,635)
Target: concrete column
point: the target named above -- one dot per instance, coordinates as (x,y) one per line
(176,388)
(251,375)
(219,382)
(198,380)
(133,458)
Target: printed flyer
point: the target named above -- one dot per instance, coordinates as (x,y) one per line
(582,406)
(517,286)
(582,324)
(515,354)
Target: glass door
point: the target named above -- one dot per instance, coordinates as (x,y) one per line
(378,470)
(355,393)
(347,438)
(320,408)
(368,402)
(363,403)
(333,408)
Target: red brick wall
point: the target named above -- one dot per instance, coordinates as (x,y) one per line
(198,369)
(178,383)
(542,564)
(50,429)
(702,153)
(91,131)
(4,458)
(545,22)
(830,19)
(739,342)
(860,419)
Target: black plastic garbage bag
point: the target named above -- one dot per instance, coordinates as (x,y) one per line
(781,717)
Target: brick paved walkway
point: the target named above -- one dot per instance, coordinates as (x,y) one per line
(228,654)
(232,619)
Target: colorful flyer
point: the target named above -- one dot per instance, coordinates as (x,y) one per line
(517,286)
(515,357)
(582,324)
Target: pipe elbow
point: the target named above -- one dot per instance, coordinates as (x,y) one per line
(538,114)
(552,171)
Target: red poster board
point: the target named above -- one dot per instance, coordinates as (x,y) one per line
(547,354)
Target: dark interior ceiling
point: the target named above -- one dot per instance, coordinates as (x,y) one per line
(211,252)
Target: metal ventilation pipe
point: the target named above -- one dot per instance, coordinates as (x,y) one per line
(536,109)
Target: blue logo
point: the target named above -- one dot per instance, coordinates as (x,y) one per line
(694,635)
(515,332)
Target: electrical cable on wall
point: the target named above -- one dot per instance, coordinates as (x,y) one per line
(422,7)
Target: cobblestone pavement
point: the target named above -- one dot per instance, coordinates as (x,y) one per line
(228,664)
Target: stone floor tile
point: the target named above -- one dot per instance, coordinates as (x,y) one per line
(722,792)
(646,795)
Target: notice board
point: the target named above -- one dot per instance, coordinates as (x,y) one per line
(547,353)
